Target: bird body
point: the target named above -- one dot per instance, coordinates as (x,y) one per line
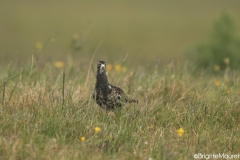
(106,95)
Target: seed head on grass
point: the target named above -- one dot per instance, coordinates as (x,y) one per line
(97,129)
(180,132)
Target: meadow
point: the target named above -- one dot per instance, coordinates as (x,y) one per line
(49,53)
(48,113)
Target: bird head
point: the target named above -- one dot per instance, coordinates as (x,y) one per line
(101,67)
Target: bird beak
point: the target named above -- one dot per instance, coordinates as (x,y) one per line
(102,68)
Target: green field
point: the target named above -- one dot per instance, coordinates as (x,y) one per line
(37,124)
(49,53)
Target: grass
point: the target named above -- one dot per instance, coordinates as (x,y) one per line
(45,110)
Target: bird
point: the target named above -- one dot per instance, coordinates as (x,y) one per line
(107,96)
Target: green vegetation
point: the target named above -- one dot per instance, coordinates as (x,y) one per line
(223,47)
(41,119)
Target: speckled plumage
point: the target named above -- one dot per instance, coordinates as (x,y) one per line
(106,95)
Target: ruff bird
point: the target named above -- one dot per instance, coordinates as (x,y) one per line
(106,95)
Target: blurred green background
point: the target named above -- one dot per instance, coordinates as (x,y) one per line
(146,30)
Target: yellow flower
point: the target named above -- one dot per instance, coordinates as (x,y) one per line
(59,64)
(97,129)
(216,68)
(38,45)
(180,131)
(217,83)
(75,36)
(123,69)
(109,67)
(226,61)
(117,67)
(82,139)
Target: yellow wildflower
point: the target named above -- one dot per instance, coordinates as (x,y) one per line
(117,67)
(59,64)
(108,67)
(217,83)
(180,131)
(75,36)
(97,129)
(38,45)
(216,68)
(82,139)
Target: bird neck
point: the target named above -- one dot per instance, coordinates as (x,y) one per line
(102,80)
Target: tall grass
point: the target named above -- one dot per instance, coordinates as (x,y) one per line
(46,110)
